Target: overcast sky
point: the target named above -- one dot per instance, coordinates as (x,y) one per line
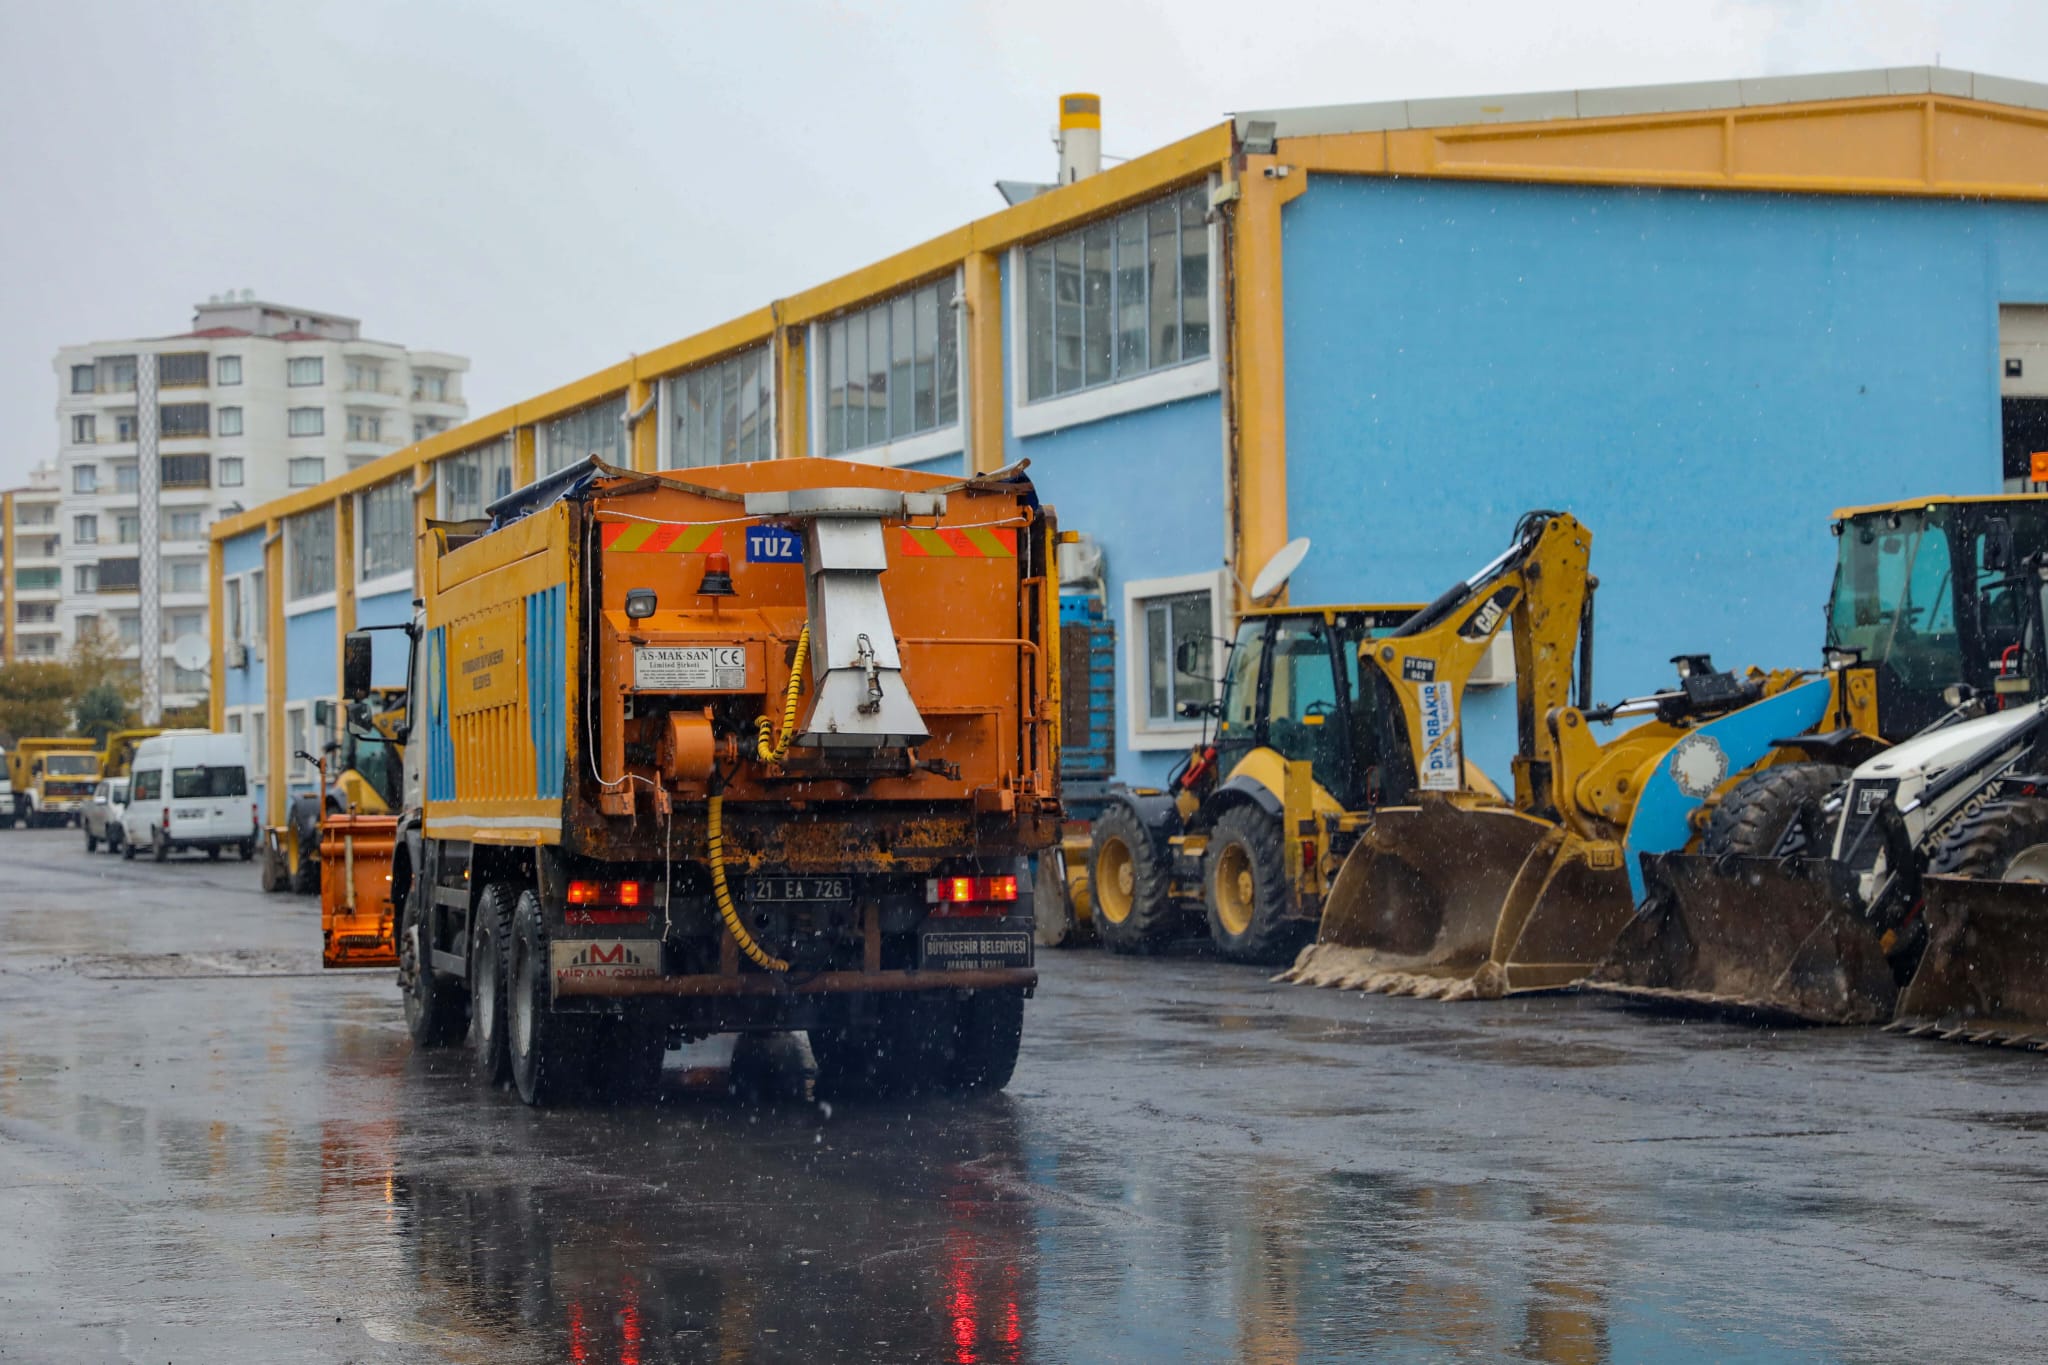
(547,187)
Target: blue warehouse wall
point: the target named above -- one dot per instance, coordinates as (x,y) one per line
(243,686)
(312,668)
(1701,378)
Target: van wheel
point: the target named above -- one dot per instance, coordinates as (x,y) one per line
(92,845)
(247,849)
(489,946)
(115,843)
(158,848)
(127,851)
(545,1046)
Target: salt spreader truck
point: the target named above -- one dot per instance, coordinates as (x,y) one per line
(747,749)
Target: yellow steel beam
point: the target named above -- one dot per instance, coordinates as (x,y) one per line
(344,581)
(792,394)
(1258,365)
(525,460)
(643,450)
(983,363)
(276,786)
(216,631)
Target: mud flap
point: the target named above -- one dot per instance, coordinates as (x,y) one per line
(1984,975)
(1463,902)
(1774,937)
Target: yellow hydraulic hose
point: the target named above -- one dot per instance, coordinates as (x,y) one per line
(756,954)
(778,749)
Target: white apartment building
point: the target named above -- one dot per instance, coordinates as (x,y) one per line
(35,568)
(256,400)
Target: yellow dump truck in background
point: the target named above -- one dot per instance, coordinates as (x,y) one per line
(52,779)
(767,747)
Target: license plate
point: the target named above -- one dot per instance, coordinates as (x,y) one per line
(708,668)
(798,890)
(966,952)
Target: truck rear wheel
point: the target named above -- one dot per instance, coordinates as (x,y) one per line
(435,1009)
(1127,880)
(1757,811)
(1244,887)
(546,1048)
(489,948)
(987,1031)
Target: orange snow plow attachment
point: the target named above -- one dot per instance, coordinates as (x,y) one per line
(1984,975)
(357,926)
(1465,901)
(1774,936)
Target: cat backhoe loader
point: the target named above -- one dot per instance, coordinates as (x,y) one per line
(1820,890)
(1457,892)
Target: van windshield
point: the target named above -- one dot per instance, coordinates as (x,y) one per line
(187,783)
(72,765)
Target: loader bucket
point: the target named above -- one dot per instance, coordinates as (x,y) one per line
(1774,937)
(1984,975)
(1462,902)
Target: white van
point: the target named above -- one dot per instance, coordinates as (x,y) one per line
(189,790)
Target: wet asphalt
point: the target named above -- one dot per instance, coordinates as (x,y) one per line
(211,1151)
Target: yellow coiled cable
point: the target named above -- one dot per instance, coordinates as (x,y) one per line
(756,954)
(776,751)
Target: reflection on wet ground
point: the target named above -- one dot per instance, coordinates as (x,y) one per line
(1193,1163)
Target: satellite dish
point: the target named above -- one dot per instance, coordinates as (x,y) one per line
(191,653)
(1279,568)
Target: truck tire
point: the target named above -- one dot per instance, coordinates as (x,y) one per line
(436,1008)
(489,950)
(547,1049)
(1244,888)
(2005,842)
(1757,811)
(988,1029)
(1128,881)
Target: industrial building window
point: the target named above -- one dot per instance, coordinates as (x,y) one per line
(723,413)
(187,471)
(1163,616)
(306,471)
(230,472)
(893,370)
(1119,298)
(1171,622)
(183,419)
(309,553)
(181,370)
(305,370)
(82,429)
(120,575)
(85,530)
(227,370)
(259,745)
(599,430)
(83,378)
(85,478)
(473,480)
(307,421)
(385,514)
(228,422)
(296,743)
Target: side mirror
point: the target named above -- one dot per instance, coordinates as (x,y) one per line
(1191,657)
(356,666)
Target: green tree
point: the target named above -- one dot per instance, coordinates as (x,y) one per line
(101,710)
(35,699)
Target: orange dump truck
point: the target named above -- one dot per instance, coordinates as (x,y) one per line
(747,749)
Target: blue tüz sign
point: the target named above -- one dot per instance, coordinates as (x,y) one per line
(774,545)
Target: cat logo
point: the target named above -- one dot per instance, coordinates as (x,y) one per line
(579,960)
(1481,623)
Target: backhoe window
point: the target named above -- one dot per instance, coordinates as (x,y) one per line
(1241,683)
(1302,720)
(1894,597)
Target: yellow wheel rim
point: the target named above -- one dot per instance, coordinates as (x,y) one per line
(1116,881)
(1235,891)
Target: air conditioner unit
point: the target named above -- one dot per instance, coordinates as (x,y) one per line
(1496,667)
(238,656)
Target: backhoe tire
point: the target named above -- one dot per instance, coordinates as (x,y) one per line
(1052,913)
(1757,811)
(306,875)
(490,943)
(987,1031)
(436,1007)
(2005,842)
(1128,880)
(549,1051)
(1244,887)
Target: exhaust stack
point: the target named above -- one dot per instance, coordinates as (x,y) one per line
(1080,137)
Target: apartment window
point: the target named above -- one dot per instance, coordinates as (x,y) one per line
(1119,298)
(117,374)
(473,480)
(229,473)
(124,426)
(724,413)
(183,419)
(306,471)
(84,378)
(82,427)
(36,580)
(85,578)
(423,427)
(227,370)
(35,613)
(181,370)
(430,386)
(307,422)
(85,626)
(385,515)
(179,624)
(85,478)
(228,422)
(126,478)
(120,575)
(599,430)
(178,679)
(187,575)
(365,426)
(129,627)
(309,552)
(128,528)
(185,523)
(365,376)
(85,530)
(305,370)
(187,471)
(892,370)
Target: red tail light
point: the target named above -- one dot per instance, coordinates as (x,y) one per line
(604,902)
(167,817)
(971,895)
